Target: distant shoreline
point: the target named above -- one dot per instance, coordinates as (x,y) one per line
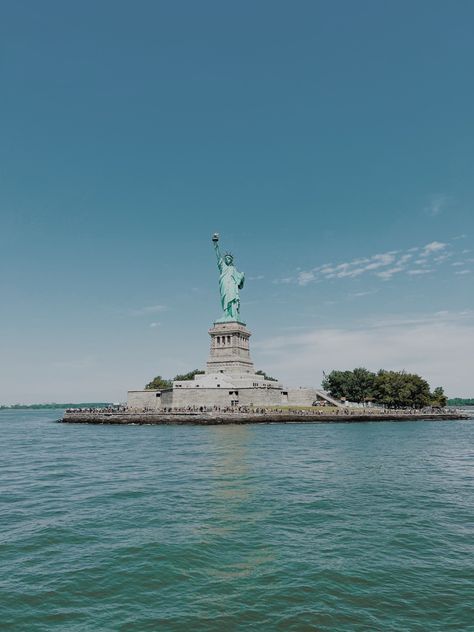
(54,406)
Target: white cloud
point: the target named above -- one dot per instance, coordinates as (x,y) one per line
(382,265)
(363,293)
(304,277)
(463,272)
(434,246)
(152,325)
(437,346)
(420,271)
(443,257)
(437,205)
(388,274)
(149,309)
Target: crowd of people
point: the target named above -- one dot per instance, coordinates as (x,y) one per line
(119,408)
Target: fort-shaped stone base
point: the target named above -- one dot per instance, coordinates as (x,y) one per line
(229,380)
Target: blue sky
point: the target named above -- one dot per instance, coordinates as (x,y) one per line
(329,143)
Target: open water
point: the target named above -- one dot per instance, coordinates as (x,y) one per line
(270,527)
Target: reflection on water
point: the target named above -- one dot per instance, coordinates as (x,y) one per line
(239,517)
(231,473)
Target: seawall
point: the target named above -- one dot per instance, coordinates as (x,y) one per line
(215,418)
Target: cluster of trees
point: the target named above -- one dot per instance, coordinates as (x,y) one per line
(394,389)
(161,383)
(461,401)
(267,377)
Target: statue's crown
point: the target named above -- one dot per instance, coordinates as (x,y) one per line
(228,254)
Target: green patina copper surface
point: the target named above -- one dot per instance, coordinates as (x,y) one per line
(230,282)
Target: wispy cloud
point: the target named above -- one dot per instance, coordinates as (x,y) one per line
(437,204)
(434,246)
(418,271)
(361,294)
(147,310)
(156,324)
(388,274)
(415,261)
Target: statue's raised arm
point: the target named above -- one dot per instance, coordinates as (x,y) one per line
(230,281)
(215,241)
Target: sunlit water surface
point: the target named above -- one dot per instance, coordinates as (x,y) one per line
(270,527)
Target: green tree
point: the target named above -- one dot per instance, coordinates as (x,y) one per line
(361,385)
(158,383)
(267,377)
(398,389)
(438,398)
(188,376)
(461,401)
(356,386)
(337,383)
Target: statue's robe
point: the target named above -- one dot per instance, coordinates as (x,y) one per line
(230,282)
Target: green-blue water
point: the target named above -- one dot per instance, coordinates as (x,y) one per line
(269,527)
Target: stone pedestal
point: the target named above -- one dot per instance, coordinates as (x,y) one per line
(230,351)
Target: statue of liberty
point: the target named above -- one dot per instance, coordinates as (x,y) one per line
(230,282)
